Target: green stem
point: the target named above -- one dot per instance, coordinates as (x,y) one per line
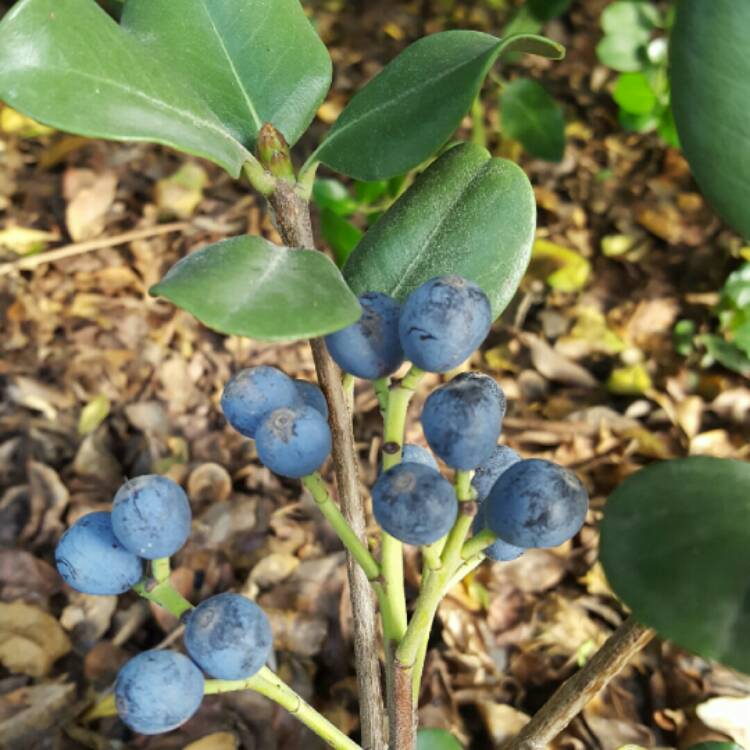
(269,684)
(392,559)
(478,130)
(160,569)
(478,543)
(164,595)
(317,488)
(262,181)
(431,555)
(381,386)
(306,179)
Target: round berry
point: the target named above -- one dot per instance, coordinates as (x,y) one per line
(293,442)
(462,420)
(414,503)
(416,454)
(443,322)
(151,516)
(157,691)
(228,637)
(489,472)
(311,395)
(369,348)
(252,393)
(90,559)
(498,551)
(536,503)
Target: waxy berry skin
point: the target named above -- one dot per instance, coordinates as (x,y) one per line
(294,442)
(416,454)
(228,637)
(536,503)
(311,395)
(462,420)
(90,558)
(251,394)
(443,322)
(499,551)
(489,472)
(414,503)
(370,348)
(157,691)
(151,516)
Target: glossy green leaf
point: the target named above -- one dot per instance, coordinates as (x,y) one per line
(710,77)
(334,196)
(466,214)
(436,739)
(674,545)
(248,287)
(725,353)
(633,93)
(411,108)
(530,115)
(252,61)
(68,64)
(340,234)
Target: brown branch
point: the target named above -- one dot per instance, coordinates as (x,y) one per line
(573,695)
(68,251)
(403,714)
(292,215)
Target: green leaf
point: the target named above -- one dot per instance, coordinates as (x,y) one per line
(736,290)
(725,353)
(466,214)
(249,287)
(340,234)
(631,18)
(68,64)
(369,192)
(683,334)
(333,195)
(674,545)
(715,746)
(436,739)
(710,77)
(530,115)
(411,108)
(623,53)
(252,61)
(633,93)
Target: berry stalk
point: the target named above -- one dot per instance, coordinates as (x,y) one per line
(317,488)
(164,595)
(271,686)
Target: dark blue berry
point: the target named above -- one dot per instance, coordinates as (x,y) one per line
(311,395)
(228,637)
(414,503)
(489,472)
(416,454)
(251,394)
(370,348)
(498,551)
(443,322)
(157,691)
(151,516)
(91,559)
(293,442)
(462,420)
(536,503)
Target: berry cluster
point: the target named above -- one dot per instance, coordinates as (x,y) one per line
(518,503)
(227,636)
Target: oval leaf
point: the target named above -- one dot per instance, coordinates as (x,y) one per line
(68,64)
(253,61)
(674,546)
(710,79)
(466,214)
(530,115)
(249,287)
(436,739)
(410,109)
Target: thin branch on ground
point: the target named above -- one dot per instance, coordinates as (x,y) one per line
(573,695)
(78,248)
